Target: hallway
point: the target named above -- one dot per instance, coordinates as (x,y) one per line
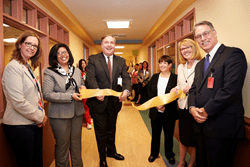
(132,140)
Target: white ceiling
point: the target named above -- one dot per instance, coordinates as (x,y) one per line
(91,13)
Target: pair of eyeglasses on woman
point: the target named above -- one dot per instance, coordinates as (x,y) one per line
(28,44)
(182,49)
(62,53)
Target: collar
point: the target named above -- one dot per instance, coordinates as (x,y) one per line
(213,51)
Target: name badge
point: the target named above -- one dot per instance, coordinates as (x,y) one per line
(210,82)
(119,81)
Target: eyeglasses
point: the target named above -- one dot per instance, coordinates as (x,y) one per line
(182,49)
(62,53)
(204,34)
(28,44)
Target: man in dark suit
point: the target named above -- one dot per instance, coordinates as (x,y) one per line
(215,99)
(105,108)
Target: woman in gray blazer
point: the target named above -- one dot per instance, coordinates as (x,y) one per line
(189,56)
(24,114)
(61,86)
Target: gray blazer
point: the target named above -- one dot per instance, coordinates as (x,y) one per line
(54,91)
(21,95)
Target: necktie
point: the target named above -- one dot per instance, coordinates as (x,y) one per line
(110,69)
(206,64)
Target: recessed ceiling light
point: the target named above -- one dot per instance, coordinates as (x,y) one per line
(118,53)
(118,23)
(119,47)
(10,40)
(168,46)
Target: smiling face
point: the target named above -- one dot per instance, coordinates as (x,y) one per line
(187,51)
(208,38)
(27,48)
(62,56)
(83,65)
(108,45)
(164,66)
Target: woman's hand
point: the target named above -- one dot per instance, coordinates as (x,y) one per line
(174,90)
(45,118)
(186,89)
(76,96)
(82,87)
(143,84)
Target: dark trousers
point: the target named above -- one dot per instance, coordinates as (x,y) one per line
(105,128)
(215,152)
(168,129)
(26,143)
(135,88)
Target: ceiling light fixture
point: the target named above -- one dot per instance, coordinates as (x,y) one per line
(118,23)
(118,53)
(5,25)
(119,47)
(10,40)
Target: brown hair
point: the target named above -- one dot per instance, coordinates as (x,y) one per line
(196,51)
(35,60)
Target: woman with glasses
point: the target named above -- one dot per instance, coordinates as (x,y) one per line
(24,115)
(189,56)
(61,87)
(164,116)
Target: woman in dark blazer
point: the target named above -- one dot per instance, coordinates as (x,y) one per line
(61,85)
(163,116)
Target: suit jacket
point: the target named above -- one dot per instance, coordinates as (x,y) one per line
(98,78)
(170,112)
(184,80)
(144,78)
(54,91)
(21,95)
(223,102)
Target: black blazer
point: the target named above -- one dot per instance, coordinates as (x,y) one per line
(223,102)
(170,112)
(98,78)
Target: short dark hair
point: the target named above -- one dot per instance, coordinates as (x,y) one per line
(203,23)
(165,58)
(53,55)
(80,64)
(35,60)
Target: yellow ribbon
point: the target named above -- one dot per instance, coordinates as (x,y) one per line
(160,100)
(156,101)
(88,93)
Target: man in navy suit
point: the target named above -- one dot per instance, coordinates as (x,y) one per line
(215,99)
(107,71)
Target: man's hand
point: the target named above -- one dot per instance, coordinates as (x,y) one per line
(101,98)
(161,108)
(200,115)
(123,96)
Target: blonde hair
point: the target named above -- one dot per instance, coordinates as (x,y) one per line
(196,51)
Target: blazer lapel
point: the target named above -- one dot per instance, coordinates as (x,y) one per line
(215,58)
(26,71)
(115,65)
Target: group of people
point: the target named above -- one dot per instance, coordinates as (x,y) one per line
(211,117)
(140,77)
